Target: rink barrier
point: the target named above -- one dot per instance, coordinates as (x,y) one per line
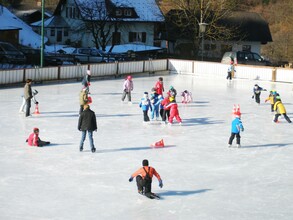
(186,67)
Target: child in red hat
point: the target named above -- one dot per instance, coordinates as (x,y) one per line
(34,139)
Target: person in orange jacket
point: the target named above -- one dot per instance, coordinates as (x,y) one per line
(280,110)
(144,177)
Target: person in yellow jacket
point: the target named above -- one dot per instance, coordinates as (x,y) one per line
(271,98)
(280,110)
(144,177)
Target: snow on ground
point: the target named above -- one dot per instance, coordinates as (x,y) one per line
(203,178)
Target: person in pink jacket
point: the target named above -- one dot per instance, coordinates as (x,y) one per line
(34,139)
(173,107)
(127,88)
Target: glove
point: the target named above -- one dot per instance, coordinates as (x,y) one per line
(37,103)
(242,129)
(252,97)
(160,183)
(130,179)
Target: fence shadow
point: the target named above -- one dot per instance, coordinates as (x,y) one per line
(267,145)
(133,149)
(200,121)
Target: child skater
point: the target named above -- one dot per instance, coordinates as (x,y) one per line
(34,139)
(155,105)
(166,112)
(231,70)
(127,88)
(256,93)
(280,110)
(22,107)
(173,111)
(186,97)
(86,81)
(235,130)
(271,99)
(145,105)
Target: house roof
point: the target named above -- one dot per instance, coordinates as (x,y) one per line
(146,10)
(55,21)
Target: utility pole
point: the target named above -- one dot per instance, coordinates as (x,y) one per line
(42,34)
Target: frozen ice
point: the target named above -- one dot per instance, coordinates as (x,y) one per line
(203,178)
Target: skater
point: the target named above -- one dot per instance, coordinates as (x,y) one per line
(236,127)
(22,107)
(87,123)
(144,177)
(280,110)
(173,107)
(127,88)
(34,139)
(160,86)
(28,96)
(83,99)
(172,92)
(166,112)
(271,99)
(145,105)
(86,81)
(231,70)
(256,93)
(155,104)
(186,97)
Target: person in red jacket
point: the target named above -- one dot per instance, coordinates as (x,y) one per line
(166,113)
(173,107)
(144,177)
(159,86)
(34,139)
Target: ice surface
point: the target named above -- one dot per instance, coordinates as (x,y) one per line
(203,178)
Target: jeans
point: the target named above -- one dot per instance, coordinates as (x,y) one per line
(28,107)
(83,136)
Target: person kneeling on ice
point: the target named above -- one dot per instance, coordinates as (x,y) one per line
(235,130)
(173,107)
(144,177)
(34,139)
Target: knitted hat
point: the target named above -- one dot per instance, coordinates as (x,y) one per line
(36,130)
(145,162)
(129,77)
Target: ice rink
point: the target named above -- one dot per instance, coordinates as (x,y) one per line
(203,178)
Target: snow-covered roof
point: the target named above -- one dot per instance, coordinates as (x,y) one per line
(55,21)
(27,36)
(146,10)
(123,48)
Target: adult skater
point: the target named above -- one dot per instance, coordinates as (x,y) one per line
(34,139)
(236,127)
(23,105)
(28,96)
(159,86)
(144,177)
(256,93)
(87,123)
(231,70)
(127,88)
(280,110)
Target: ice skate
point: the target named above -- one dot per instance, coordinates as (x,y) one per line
(93,150)
(238,145)
(229,145)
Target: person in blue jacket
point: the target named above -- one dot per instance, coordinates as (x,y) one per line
(256,93)
(145,105)
(237,126)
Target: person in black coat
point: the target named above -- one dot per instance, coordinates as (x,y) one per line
(87,123)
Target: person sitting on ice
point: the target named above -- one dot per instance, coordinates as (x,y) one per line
(144,177)
(145,105)
(173,107)
(34,139)
(256,93)
(279,108)
(186,97)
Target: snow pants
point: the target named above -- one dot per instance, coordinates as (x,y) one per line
(128,94)
(285,116)
(233,136)
(142,185)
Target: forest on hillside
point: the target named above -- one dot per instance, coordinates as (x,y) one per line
(278,13)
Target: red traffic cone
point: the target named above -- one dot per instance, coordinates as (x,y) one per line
(37,110)
(236,110)
(158,144)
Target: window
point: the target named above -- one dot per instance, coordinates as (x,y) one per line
(72,12)
(127,12)
(116,38)
(137,37)
(118,12)
(65,33)
(52,32)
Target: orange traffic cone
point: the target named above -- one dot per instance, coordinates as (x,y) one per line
(37,109)
(158,144)
(236,110)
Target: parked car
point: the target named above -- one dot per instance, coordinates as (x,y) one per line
(90,55)
(9,54)
(245,57)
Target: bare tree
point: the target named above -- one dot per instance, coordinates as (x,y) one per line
(99,22)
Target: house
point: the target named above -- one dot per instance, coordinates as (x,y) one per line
(251,29)
(127,21)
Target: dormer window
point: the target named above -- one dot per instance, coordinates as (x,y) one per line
(127,12)
(118,12)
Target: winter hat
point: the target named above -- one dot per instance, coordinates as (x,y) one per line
(129,77)
(237,114)
(171,87)
(145,162)
(88,72)
(36,130)
(160,78)
(28,80)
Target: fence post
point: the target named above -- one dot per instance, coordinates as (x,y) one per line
(274,75)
